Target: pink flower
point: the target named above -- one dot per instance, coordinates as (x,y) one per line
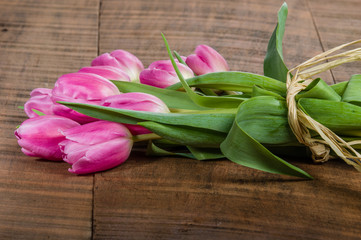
(40,136)
(138,102)
(82,88)
(206,60)
(108,72)
(162,74)
(40,99)
(123,60)
(96,146)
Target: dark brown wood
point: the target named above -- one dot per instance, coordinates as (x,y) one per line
(338,22)
(39,41)
(173,198)
(166,198)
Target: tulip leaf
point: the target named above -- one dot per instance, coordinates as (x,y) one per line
(179,58)
(338,116)
(173,99)
(205,101)
(259,91)
(352,92)
(265,119)
(185,135)
(234,81)
(217,120)
(339,88)
(154,149)
(319,89)
(38,112)
(206,153)
(273,65)
(243,149)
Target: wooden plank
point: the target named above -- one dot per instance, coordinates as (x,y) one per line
(39,41)
(338,22)
(175,198)
(172,198)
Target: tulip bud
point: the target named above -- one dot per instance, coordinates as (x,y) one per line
(123,60)
(206,60)
(96,146)
(82,88)
(138,102)
(40,136)
(161,74)
(108,72)
(40,99)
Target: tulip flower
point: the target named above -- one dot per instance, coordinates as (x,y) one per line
(40,99)
(40,136)
(161,74)
(96,146)
(206,60)
(138,102)
(123,60)
(82,88)
(108,72)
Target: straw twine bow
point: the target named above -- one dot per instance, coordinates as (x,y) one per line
(300,122)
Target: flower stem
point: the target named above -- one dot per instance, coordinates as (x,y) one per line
(145,137)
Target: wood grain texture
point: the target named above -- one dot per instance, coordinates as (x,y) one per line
(173,198)
(239,30)
(338,22)
(166,198)
(39,41)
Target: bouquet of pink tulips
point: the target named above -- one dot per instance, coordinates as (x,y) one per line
(195,107)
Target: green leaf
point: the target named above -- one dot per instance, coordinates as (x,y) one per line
(154,149)
(338,116)
(38,112)
(217,120)
(205,101)
(319,89)
(206,153)
(339,87)
(259,91)
(273,65)
(185,135)
(265,119)
(352,92)
(173,99)
(179,58)
(21,107)
(242,149)
(234,81)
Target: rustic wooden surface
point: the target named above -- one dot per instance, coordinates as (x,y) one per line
(166,198)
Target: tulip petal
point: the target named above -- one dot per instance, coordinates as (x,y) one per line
(198,66)
(40,99)
(162,74)
(108,72)
(40,136)
(97,132)
(103,156)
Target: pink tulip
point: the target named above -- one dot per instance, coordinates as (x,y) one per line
(40,99)
(206,60)
(123,60)
(108,72)
(161,74)
(96,146)
(138,102)
(40,136)
(82,88)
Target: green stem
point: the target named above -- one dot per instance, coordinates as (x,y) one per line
(145,137)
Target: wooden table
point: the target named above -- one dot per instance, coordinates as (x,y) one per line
(166,198)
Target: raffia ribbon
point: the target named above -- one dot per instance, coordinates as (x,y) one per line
(301,123)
